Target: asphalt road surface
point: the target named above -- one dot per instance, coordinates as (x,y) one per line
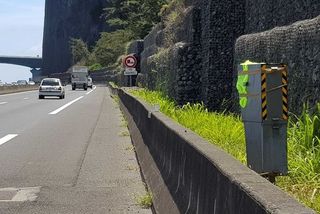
(66,156)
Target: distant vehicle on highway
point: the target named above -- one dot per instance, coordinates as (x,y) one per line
(90,84)
(1,84)
(51,87)
(22,82)
(79,77)
(14,83)
(31,83)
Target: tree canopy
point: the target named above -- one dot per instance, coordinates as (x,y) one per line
(79,51)
(137,16)
(131,19)
(110,46)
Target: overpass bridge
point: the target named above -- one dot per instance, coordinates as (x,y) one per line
(35,63)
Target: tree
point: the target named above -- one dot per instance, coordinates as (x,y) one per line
(110,46)
(137,16)
(79,51)
(132,19)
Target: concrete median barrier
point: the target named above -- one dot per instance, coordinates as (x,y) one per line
(186,174)
(17,88)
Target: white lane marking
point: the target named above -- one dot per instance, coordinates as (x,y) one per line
(65,106)
(27,194)
(20,194)
(7,138)
(26,98)
(2,103)
(94,87)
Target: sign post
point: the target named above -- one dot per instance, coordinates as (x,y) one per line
(130,63)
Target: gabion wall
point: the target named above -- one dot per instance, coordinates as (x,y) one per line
(222,23)
(213,40)
(264,15)
(297,45)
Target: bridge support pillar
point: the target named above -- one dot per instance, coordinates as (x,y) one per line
(36,74)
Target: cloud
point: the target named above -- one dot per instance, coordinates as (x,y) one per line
(34,50)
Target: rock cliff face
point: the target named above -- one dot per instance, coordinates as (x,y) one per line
(65,19)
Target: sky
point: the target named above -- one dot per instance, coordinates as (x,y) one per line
(21,32)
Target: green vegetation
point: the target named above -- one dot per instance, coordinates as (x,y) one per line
(160,78)
(124,133)
(215,127)
(173,14)
(145,201)
(79,51)
(113,85)
(303,181)
(130,19)
(110,46)
(105,53)
(135,16)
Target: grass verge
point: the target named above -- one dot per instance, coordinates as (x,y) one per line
(145,201)
(227,132)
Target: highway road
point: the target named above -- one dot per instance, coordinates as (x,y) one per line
(66,156)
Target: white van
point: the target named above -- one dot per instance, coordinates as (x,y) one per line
(79,77)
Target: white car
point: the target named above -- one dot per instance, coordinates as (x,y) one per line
(51,87)
(22,82)
(90,84)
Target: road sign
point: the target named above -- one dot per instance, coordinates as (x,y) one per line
(130,62)
(130,71)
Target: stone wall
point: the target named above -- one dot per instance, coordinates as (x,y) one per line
(135,47)
(297,45)
(204,64)
(192,58)
(222,22)
(151,47)
(201,60)
(171,58)
(264,15)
